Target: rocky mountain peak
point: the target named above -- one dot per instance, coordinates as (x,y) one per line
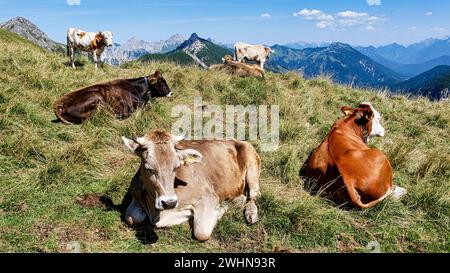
(31,32)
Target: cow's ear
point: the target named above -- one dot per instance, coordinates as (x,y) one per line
(130,144)
(189,156)
(152,80)
(99,36)
(158,74)
(347,110)
(367,112)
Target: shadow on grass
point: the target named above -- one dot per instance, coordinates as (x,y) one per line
(145,233)
(77,64)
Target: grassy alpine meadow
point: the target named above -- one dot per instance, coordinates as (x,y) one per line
(46,166)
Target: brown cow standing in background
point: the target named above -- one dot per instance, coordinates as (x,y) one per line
(345,168)
(121,96)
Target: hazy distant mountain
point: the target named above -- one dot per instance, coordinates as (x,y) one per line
(416,69)
(371,52)
(343,63)
(31,32)
(408,70)
(134,49)
(195,50)
(434,83)
(413,54)
(303,45)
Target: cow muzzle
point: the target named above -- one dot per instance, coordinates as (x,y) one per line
(169,95)
(166,202)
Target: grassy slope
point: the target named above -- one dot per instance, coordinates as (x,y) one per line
(44,166)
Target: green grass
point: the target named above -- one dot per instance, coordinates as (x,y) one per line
(45,166)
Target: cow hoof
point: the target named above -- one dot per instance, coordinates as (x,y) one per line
(251,213)
(129,221)
(399,192)
(135,220)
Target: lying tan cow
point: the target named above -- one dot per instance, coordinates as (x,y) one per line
(345,168)
(237,68)
(178,180)
(122,96)
(92,42)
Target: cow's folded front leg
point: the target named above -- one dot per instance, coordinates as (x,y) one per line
(206,214)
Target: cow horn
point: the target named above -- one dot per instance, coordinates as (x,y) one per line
(140,140)
(176,138)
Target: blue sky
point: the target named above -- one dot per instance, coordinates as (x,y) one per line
(357,22)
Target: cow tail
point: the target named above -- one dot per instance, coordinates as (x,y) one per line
(58,108)
(356,198)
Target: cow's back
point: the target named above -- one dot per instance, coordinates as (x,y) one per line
(222,170)
(117,95)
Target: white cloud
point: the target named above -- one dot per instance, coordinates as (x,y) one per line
(374,2)
(438,29)
(313,15)
(73,2)
(413,28)
(342,19)
(266,15)
(429,13)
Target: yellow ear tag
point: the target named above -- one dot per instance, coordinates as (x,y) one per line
(189,159)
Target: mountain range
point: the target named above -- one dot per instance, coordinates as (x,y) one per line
(411,60)
(343,63)
(419,69)
(134,49)
(194,50)
(303,45)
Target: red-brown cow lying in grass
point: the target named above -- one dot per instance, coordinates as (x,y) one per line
(345,168)
(121,96)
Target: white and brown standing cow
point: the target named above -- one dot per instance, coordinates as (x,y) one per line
(257,53)
(93,42)
(182,179)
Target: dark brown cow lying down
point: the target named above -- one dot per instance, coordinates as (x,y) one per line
(121,96)
(345,168)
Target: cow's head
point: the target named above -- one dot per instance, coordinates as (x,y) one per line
(158,85)
(227,58)
(368,117)
(159,162)
(107,38)
(269,51)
